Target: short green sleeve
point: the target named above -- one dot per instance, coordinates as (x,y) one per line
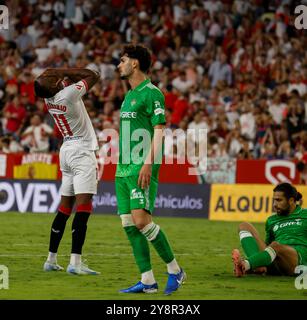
(156,107)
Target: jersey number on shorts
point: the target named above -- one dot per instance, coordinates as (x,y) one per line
(63,125)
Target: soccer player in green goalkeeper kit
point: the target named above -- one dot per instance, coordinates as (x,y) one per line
(285,246)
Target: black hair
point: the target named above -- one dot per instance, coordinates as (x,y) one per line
(289,191)
(139,52)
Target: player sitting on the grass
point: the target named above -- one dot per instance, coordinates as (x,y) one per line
(77,158)
(285,246)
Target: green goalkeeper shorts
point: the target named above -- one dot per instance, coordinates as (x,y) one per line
(130,196)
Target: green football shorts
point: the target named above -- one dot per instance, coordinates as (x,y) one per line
(302,254)
(130,196)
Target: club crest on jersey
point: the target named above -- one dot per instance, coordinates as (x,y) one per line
(133,102)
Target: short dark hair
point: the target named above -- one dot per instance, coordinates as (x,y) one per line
(288,190)
(41,89)
(139,52)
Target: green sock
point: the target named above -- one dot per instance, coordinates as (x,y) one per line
(263,258)
(249,243)
(140,248)
(163,247)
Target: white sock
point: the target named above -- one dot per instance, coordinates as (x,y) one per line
(173,267)
(244,234)
(247,265)
(148,277)
(75,259)
(271,252)
(52,257)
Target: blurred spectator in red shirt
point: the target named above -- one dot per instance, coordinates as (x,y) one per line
(26,85)
(181,106)
(170,97)
(14,116)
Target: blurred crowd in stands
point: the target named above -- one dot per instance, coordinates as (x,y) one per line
(236,68)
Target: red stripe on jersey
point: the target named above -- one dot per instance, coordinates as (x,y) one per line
(85,208)
(64,210)
(85,83)
(57,120)
(67,127)
(62,121)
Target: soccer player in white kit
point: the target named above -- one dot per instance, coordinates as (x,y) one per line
(62,90)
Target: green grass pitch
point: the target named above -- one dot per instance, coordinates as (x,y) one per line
(202,247)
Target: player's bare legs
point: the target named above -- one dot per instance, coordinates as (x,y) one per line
(79,227)
(141,218)
(57,231)
(286,258)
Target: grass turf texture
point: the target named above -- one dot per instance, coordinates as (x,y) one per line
(202,247)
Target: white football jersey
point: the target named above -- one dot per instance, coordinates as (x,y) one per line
(71,117)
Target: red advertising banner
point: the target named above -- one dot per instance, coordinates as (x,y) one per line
(46,166)
(266,171)
(169,173)
(32,166)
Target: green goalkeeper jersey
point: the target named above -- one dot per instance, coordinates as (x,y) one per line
(290,230)
(142,109)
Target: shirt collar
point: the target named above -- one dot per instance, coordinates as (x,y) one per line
(142,84)
(297,209)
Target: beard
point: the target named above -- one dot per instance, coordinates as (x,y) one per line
(126,72)
(124,77)
(284,212)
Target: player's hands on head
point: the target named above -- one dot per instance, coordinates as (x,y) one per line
(50,72)
(68,81)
